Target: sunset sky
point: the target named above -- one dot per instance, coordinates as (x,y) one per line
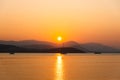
(77,20)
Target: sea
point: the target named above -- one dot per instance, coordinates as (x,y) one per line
(56,66)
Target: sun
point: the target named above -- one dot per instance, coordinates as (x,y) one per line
(59,38)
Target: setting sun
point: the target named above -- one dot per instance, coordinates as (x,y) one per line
(59,38)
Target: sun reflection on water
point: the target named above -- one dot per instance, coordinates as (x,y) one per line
(59,67)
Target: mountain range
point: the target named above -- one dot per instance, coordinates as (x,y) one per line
(44,46)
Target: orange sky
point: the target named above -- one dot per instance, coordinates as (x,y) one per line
(79,20)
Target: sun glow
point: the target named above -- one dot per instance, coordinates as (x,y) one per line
(59,38)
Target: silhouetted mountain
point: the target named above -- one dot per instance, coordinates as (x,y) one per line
(75,45)
(39,46)
(95,47)
(64,50)
(33,44)
(10,48)
(91,47)
(24,42)
(14,49)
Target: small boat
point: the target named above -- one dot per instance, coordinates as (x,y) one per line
(12,53)
(63,53)
(97,52)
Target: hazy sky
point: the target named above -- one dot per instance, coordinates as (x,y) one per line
(78,20)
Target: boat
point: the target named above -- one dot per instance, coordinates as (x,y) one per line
(63,53)
(12,53)
(97,52)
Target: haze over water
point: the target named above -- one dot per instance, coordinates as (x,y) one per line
(59,67)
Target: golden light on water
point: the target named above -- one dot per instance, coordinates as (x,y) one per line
(59,67)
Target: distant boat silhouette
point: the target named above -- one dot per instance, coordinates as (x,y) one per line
(97,53)
(12,53)
(63,53)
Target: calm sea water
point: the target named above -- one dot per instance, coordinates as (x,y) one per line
(59,67)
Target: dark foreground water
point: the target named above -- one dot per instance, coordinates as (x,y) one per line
(59,67)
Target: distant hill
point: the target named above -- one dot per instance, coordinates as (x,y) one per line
(14,49)
(64,50)
(92,47)
(75,45)
(34,46)
(10,48)
(95,47)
